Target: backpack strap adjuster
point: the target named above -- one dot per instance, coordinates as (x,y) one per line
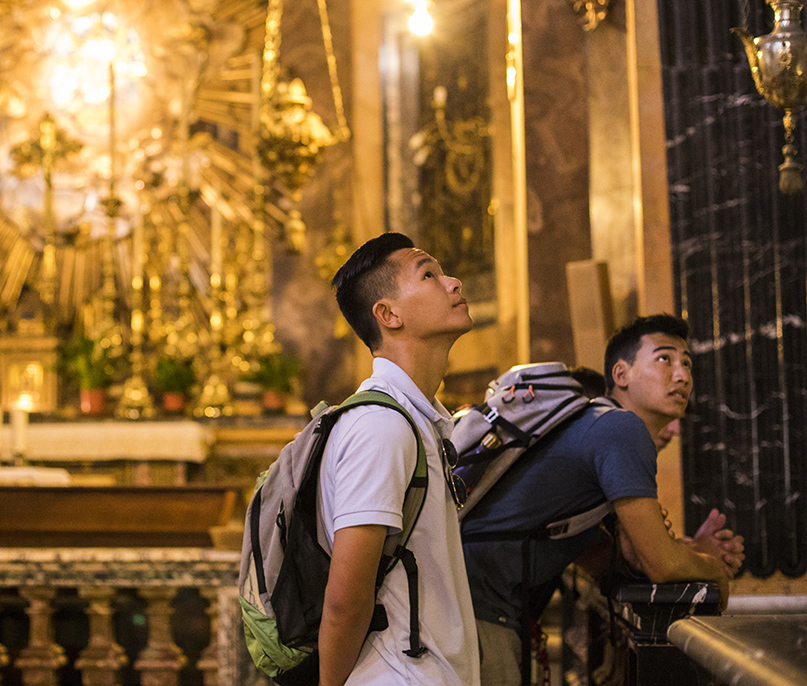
(491,414)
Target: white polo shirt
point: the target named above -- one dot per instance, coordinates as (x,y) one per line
(368,462)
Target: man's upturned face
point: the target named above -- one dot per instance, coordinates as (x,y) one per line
(430,303)
(660,378)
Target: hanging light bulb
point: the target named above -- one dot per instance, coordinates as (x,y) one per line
(421,23)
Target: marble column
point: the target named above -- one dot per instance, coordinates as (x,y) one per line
(556,143)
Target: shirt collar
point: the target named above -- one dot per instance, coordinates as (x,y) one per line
(389,372)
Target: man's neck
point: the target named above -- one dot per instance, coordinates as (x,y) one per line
(424,362)
(653,423)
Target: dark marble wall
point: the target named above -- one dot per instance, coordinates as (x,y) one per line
(739,261)
(556,134)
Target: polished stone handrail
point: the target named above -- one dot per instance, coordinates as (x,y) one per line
(97,574)
(752,650)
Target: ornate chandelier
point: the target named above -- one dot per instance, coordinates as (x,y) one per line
(292,136)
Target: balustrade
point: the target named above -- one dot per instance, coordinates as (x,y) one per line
(103,579)
(622,638)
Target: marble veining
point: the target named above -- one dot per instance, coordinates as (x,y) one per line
(739,252)
(118,567)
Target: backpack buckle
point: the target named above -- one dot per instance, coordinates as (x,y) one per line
(558,529)
(491,414)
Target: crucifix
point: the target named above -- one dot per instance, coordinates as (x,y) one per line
(46,151)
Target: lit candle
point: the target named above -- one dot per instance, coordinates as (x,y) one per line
(137,251)
(111,125)
(19,428)
(184,121)
(215,240)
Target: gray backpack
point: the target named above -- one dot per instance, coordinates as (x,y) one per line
(521,407)
(284,570)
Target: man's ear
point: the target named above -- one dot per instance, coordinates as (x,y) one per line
(620,373)
(385,314)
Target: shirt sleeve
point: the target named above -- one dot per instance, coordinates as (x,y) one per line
(625,456)
(374,457)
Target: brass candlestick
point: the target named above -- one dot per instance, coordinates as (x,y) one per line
(214,400)
(136,401)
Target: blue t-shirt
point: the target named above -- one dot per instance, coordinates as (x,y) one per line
(604,454)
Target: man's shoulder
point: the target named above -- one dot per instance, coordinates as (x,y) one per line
(601,421)
(604,415)
(373,420)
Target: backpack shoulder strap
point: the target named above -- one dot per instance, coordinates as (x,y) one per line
(395,545)
(416,489)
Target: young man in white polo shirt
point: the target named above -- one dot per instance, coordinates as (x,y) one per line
(409,314)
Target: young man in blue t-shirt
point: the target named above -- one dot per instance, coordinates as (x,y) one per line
(604,454)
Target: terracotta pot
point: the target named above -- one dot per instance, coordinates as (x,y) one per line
(173,401)
(92,400)
(274,401)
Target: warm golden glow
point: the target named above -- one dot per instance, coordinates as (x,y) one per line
(421,22)
(78,52)
(76,5)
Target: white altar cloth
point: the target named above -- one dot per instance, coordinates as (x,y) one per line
(181,441)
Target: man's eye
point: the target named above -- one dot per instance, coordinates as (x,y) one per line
(429,275)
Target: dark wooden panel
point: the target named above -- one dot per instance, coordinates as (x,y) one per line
(112,516)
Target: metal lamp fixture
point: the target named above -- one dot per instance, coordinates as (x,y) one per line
(779,66)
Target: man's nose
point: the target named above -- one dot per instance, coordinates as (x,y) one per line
(682,373)
(453,284)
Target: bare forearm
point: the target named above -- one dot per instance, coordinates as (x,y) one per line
(683,563)
(349,601)
(691,565)
(660,557)
(341,635)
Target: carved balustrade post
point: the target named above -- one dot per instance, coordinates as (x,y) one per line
(40,660)
(160,661)
(208,662)
(101,660)
(3,660)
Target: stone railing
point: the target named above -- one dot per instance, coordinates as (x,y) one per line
(96,580)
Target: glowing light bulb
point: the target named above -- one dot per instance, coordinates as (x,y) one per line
(511,77)
(421,23)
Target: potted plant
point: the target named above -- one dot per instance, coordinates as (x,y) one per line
(174,378)
(275,374)
(93,369)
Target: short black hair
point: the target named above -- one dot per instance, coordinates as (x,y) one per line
(364,279)
(625,343)
(591,380)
